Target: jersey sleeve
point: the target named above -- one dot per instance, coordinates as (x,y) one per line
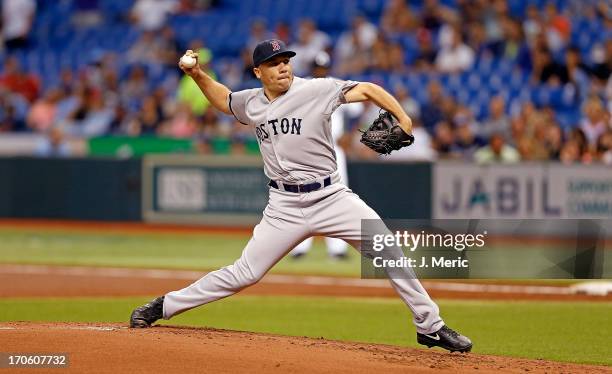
(237,103)
(334,90)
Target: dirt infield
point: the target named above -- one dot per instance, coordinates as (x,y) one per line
(114,348)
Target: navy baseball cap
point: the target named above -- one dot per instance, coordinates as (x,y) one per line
(268,49)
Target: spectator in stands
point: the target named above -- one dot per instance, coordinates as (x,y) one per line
(102,75)
(149,118)
(396,62)
(310,42)
(247,66)
(410,105)
(426,55)
(578,71)
(365,31)
(577,136)
(498,121)
(10,120)
(595,120)
(43,112)
(553,141)
(570,152)
(494,17)
(120,124)
(434,15)
(354,46)
(444,139)
(54,144)
(397,18)
(532,148)
(527,57)
(145,50)
(470,11)
(603,10)
(151,15)
(66,81)
(97,119)
(602,62)
(239,73)
(73,109)
(477,38)
(283,32)
(532,24)
(463,115)
(17,19)
(155,48)
(558,28)
(168,47)
(182,124)
(379,60)
(457,57)
(18,81)
(547,70)
(135,87)
(70,100)
(497,151)
(259,31)
(604,147)
(466,141)
(448,108)
(430,111)
(513,46)
(207,132)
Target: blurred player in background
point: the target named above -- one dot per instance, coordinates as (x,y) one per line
(336,248)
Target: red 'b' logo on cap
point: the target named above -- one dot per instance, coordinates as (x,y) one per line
(275,46)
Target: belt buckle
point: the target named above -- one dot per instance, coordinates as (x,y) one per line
(300,187)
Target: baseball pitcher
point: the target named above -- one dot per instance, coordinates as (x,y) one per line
(291,119)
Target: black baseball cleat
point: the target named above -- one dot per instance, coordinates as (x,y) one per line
(145,315)
(446,338)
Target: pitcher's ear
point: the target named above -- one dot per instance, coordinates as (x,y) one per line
(257,73)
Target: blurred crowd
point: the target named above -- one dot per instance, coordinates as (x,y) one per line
(97,100)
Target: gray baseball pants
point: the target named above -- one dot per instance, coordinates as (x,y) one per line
(288,219)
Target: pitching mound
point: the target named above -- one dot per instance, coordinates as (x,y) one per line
(170,349)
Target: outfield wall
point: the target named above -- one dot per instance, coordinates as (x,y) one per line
(224,191)
(528,190)
(184,189)
(80,189)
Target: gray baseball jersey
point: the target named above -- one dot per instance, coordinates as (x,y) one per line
(294,130)
(295,139)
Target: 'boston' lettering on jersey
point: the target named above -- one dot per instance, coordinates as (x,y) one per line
(279,126)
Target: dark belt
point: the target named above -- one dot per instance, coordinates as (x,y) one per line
(297,188)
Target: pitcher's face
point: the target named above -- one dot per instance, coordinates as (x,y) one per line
(276,74)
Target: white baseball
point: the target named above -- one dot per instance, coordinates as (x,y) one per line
(188,61)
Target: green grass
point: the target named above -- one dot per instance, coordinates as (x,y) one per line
(562,331)
(204,251)
(191,251)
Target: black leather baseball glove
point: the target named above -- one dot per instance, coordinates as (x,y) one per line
(384,135)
